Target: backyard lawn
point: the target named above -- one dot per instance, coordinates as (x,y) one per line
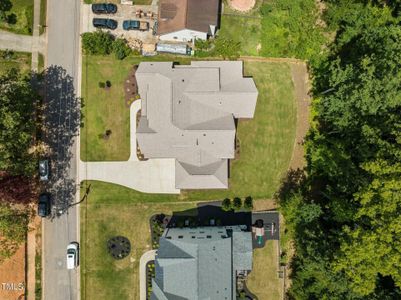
(263,280)
(266,142)
(20,17)
(16,60)
(102,277)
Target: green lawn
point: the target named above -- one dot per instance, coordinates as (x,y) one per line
(16,60)
(266,142)
(247,31)
(101,276)
(263,280)
(106,109)
(43,13)
(22,12)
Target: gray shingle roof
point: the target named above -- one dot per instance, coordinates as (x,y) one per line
(188,114)
(200,263)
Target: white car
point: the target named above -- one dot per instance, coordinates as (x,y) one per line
(72,255)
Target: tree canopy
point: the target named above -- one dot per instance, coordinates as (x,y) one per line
(17,124)
(344,216)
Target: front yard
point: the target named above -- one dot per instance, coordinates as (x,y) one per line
(266,142)
(19,17)
(102,277)
(14,60)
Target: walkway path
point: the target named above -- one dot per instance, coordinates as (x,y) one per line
(35,43)
(145,258)
(150,176)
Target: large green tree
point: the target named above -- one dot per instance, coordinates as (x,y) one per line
(17,124)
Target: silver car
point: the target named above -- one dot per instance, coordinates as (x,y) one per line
(44,170)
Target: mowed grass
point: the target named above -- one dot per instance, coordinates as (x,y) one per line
(266,141)
(263,280)
(102,277)
(105,109)
(16,60)
(23,14)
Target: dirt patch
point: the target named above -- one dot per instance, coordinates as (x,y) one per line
(264,204)
(300,78)
(12,275)
(242,5)
(131,88)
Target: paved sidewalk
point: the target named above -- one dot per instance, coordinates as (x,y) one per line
(145,258)
(150,176)
(135,107)
(35,41)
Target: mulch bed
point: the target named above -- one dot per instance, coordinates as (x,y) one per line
(131,87)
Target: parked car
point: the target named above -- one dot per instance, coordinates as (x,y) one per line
(44,205)
(44,170)
(72,255)
(135,25)
(104,8)
(105,23)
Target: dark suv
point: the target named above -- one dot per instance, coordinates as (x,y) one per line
(44,205)
(105,23)
(104,8)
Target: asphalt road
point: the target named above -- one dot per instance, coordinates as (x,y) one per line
(62,128)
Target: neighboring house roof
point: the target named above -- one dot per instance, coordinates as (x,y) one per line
(201,263)
(188,114)
(198,15)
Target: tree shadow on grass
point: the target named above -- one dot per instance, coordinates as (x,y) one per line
(62,122)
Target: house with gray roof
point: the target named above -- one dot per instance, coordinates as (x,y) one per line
(188,113)
(201,263)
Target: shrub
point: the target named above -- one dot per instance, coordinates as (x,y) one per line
(226,204)
(97,42)
(248,203)
(237,203)
(121,48)
(108,84)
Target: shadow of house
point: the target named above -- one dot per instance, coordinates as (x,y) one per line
(209,215)
(61,123)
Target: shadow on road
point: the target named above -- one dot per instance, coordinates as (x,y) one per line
(62,121)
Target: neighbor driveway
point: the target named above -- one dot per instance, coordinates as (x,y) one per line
(150,176)
(20,42)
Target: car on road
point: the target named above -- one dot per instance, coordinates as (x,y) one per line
(105,23)
(104,8)
(44,205)
(44,170)
(72,255)
(135,25)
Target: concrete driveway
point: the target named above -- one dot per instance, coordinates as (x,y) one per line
(150,176)
(20,42)
(145,258)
